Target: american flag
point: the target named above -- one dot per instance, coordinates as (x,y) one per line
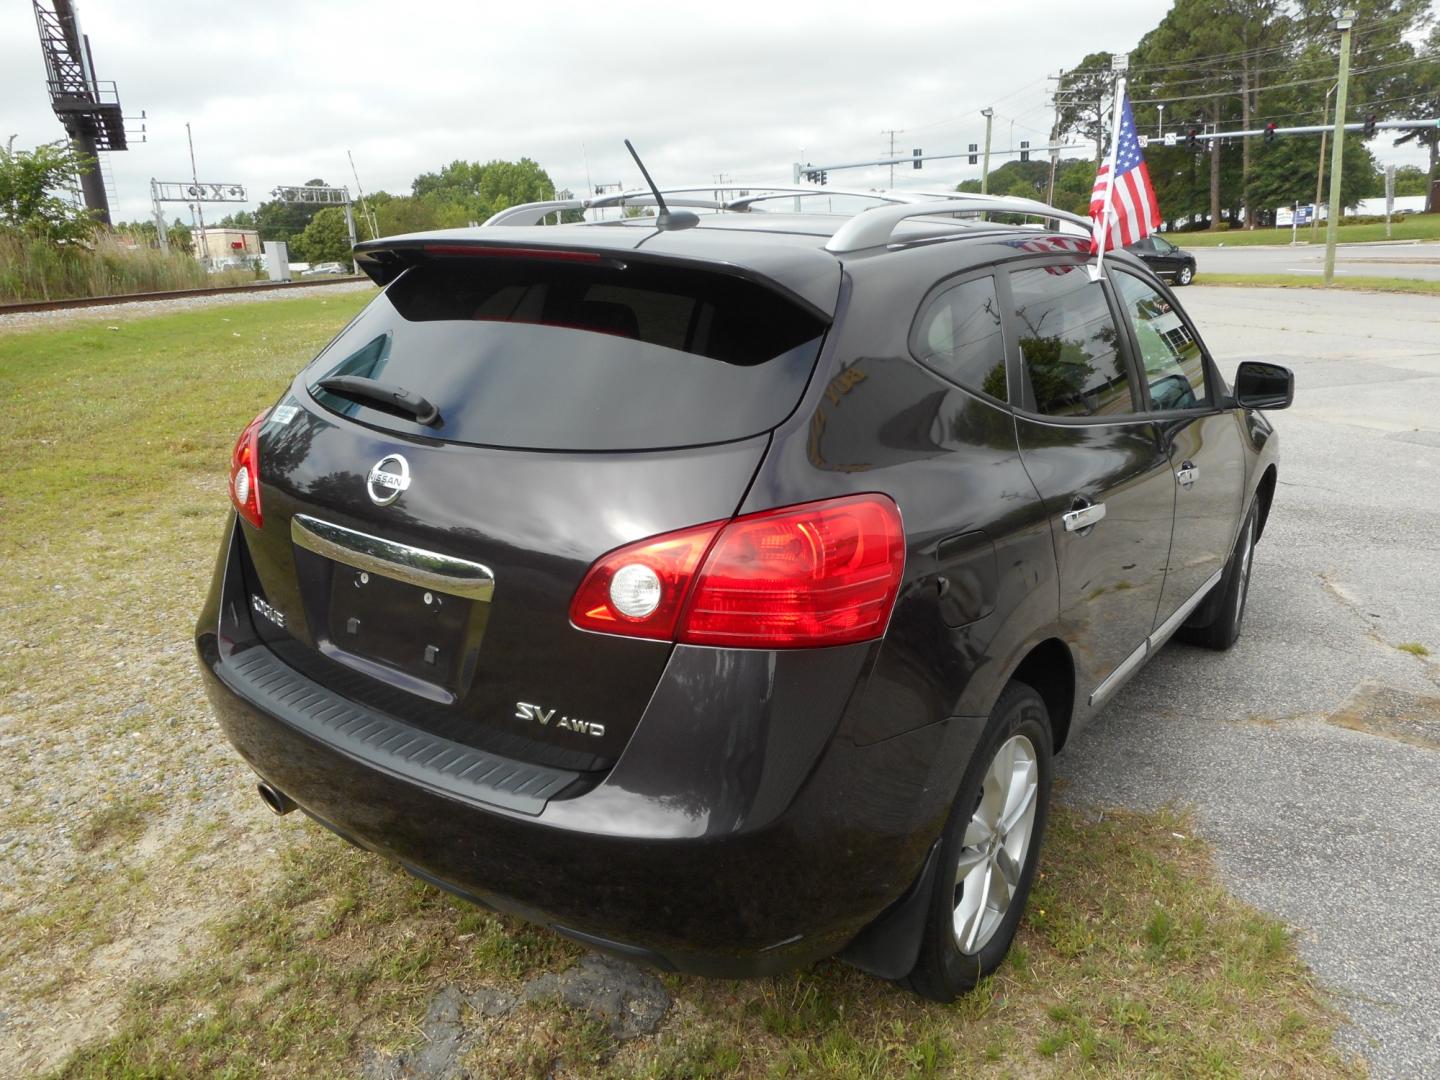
(1133,210)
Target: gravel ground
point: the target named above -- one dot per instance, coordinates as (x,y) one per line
(1311,751)
(24,320)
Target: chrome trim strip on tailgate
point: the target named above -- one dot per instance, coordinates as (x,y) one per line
(415,566)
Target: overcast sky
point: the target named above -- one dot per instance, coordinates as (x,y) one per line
(276,92)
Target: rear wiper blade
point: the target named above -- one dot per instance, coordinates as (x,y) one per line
(387,395)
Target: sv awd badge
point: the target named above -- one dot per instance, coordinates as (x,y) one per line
(543,716)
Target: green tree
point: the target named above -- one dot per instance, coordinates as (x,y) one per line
(30,183)
(325,239)
(241,219)
(1411,180)
(466,191)
(276,220)
(180,238)
(1422,99)
(1084,98)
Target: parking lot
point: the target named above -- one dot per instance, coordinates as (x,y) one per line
(1311,752)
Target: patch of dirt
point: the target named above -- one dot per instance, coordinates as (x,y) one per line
(1396,714)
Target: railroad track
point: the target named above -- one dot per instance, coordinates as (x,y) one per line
(174,294)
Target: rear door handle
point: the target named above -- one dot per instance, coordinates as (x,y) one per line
(1083,517)
(1187,474)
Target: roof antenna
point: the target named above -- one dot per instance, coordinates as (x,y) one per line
(666,219)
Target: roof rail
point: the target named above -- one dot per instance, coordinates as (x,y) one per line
(534,213)
(868,228)
(874,227)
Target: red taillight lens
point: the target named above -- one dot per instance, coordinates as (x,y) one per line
(619,595)
(823,573)
(245,471)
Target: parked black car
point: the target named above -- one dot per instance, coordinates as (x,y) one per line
(718,596)
(1165,259)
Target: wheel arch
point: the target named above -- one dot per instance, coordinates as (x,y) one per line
(1049,669)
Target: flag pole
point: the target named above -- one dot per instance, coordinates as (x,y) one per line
(1096,270)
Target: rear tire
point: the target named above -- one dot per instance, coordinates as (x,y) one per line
(1185,275)
(989,850)
(1224,611)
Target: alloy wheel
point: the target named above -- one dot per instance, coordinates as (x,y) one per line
(997,843)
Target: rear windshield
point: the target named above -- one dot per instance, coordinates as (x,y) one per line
(539,354)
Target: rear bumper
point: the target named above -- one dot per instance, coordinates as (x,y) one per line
(739,834)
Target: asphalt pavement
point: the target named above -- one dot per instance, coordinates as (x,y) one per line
(1406,259)
(1310,751)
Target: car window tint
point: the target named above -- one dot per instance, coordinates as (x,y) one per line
(559,355)
(958,335)
(1171,357)
(1068,341)
(1145,244)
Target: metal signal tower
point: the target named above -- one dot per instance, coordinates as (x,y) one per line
(88,109)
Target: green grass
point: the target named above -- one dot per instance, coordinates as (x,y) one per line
(1132,960)
(1414,648)
(1348,282)
(31,269)
(1408,227)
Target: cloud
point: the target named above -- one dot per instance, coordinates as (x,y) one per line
(278,92)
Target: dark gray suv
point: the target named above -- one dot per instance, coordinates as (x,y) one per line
(717,592)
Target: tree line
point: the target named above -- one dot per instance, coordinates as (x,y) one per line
(1218,65)
(462,193)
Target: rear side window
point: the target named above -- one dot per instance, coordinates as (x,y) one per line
(958,335)
(1069,343)
(536,354)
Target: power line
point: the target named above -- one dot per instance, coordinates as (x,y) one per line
(1140,72)
(1281,86)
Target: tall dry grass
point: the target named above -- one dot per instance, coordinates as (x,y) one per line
(32,269)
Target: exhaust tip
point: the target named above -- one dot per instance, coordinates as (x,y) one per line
(276,800)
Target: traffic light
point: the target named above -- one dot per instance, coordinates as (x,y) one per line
(974,154)
(1370,126)
(824,179)
(1192,140)
(917,154)
(1024,150)
(812,176)
(1270,133)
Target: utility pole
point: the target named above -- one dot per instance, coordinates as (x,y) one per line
(1320,168)
(1337,152)
(892,132)
(989,115)
(199,211)
(1054,139)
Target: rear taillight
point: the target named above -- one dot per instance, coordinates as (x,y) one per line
(638,590)
(245,472)
(823,573)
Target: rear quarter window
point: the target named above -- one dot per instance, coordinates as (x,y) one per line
(958,335)
(535,354)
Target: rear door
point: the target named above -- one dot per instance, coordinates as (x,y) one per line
(1097,461)
(1201,437)
(427,569)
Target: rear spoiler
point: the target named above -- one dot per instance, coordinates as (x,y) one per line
(386,259)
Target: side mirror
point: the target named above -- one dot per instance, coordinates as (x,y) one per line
(1259,385)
